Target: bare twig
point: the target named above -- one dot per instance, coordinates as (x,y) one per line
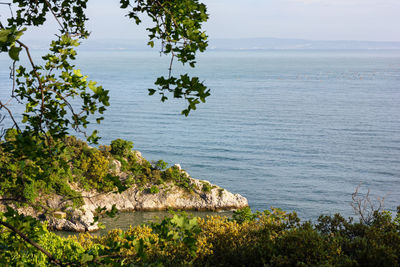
(12,77)
(54,14)
(2,131)
(11,115)
(9,6)
(364,207)
(170,66)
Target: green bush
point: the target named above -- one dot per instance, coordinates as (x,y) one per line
(270,238)
(92,169)
(160,165)
(206,188)
(14,251)
(244,214)
(121,147)
(74,147)
(179,178)
(154,189)
(29,176)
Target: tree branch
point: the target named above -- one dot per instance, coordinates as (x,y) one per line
(11,115)
(54,14)
(33,243)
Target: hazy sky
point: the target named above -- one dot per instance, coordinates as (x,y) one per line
(374,20)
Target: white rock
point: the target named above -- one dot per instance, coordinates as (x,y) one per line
(178,166)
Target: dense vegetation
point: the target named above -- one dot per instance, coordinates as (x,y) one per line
(271,238)
(79,166)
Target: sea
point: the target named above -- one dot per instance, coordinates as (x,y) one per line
(298,130)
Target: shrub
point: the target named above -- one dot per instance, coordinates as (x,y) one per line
(245,214)
(74,146)
(121,147)
(154,189)
(160,165)
(94,167)
(105,148)
(132,158)
(16,252)
(154,177)
(30,176)
(178,178)
(206,188)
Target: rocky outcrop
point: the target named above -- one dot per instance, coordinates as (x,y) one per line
(204,197)
(170,196)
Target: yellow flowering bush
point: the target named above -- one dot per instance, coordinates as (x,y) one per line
(271,238)
(92,169)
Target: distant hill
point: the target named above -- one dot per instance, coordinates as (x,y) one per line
(277,43)
(238,44)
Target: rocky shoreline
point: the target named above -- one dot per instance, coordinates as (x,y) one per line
(169,196)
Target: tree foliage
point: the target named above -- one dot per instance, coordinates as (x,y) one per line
(48,90)
(58,98)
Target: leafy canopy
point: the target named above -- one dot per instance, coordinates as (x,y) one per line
(57,97)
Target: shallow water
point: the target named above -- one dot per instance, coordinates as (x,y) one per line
(126,219)
(298,130)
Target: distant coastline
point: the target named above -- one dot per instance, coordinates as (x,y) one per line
(240,44)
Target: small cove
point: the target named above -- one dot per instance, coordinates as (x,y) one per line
(124,220)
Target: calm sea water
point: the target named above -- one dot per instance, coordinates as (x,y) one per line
(298,130)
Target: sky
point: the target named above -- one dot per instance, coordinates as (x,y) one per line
(372,20)
(368,20)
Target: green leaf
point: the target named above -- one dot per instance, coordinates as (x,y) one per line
(24,118)
(4,35)
(14,53)
(98,120)
(185,112)
(18,34)
(92,86)
(79,74)
(151,91)
(193,222)
(178,220)
(86,258)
